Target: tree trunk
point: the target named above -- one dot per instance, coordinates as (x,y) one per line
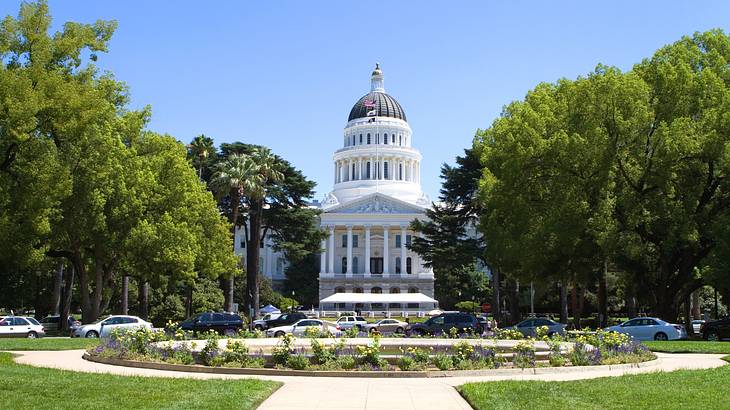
(496,309)
(125,295)
(563,302)
(56,295)
(189,301)
(575,307)
(687,313)
(602,296)
(696,310)
(67,293)
(514,302)
(143,298)
(252,258)
(630,300)
(228,284)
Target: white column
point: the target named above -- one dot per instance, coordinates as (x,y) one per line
(386,257)
(382,168)
(351,175)
(332,249)
(367,251)
(410,171)
(403,250)
(349,250)
(323,257)
(359,168)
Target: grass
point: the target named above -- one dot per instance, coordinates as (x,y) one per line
(681,389)
(32,387)
(689,346)
(47,344)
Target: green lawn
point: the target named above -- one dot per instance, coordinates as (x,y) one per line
(689,346)
(47,344)
(696,389)
(30,387)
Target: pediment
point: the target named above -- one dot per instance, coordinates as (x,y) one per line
(376,204)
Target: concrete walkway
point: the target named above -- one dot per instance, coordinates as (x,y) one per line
(304,393)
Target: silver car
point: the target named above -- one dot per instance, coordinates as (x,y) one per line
(386,326)
(104,327)
(528,327)
(21,326)
(650,328)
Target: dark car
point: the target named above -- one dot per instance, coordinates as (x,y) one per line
(285,319)
(444,322)
(716,330)
(227,324)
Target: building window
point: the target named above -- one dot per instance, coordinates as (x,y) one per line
(339,289)
(408,264)
(354,265)
(394,290)
(353,172)
(344,265)
(400,140)
(397,241)
(385,170)
(354,241)
(400,172)
(392,138)
(360,139)
(243,241)
(368,138)
(408,240)
(376,290)
(385,138)
(357,290)
(279,267)
(412,290)
(397,261)
(344,241)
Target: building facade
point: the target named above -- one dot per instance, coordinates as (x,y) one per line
(376,195)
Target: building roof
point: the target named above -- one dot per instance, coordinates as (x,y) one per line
(385,105)
(378,298)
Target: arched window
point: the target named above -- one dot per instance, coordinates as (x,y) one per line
(412,290)
(385,170)
(344,265)
(376,290)
(368,138)
(360,139)
(367,168)
(397,262)
(339,289)
(353,173)
(357,290)
(408,265)
(385,138)
(392,138)
(394,290)
(354,264)
(400,140)
(377,138)
(400,172)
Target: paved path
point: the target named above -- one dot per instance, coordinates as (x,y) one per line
(304,393)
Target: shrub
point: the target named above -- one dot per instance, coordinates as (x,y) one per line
(556,355)
(442,361)
(509,334)
(281,352)
(210,353)
(297,361)
(352,332)
(346,362)
(579,355)
(524,354)
(542,332)
(371,354)
(406,363)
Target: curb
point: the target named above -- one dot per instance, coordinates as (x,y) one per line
(361,374)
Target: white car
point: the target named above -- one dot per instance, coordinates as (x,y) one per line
(650,328)
(300,328)
(104,327)
(20,326)
(347,322)
(260,324)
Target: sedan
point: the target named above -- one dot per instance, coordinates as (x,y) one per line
(386,326)
(104,327)
(528,327)
(17,326)
(650,328)
(300,328)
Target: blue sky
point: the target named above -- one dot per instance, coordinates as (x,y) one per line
(286,73)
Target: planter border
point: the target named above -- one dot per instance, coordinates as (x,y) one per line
(361,374)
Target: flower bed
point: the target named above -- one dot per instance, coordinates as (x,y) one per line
(328,354)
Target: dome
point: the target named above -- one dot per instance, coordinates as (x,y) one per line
(385,105)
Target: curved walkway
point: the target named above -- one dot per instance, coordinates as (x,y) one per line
(303,393)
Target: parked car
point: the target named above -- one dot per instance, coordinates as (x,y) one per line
(650,328)
(261,324)
(697,326)
(444,322)
(528,327)
(52,323)
(386,326)
(21,326)
(225,323)
(285,319)
(104,327)
(347,322)
(300,327)
(716,329)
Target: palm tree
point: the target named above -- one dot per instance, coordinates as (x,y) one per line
(236,176)
(268,172)
(199,149)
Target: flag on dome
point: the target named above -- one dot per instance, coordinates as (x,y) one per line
(369,103)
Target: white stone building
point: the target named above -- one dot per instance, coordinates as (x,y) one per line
(377,193)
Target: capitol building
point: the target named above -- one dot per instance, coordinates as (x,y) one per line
(364,261)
